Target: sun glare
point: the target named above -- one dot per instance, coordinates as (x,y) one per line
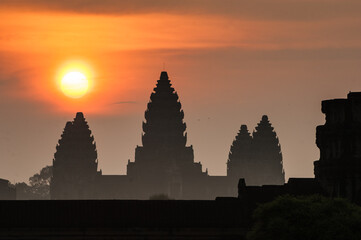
(74,84)
(74,79)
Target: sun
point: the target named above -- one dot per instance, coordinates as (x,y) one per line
(74,84)
(75,78)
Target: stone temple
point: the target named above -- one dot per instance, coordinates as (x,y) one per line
(257,158)
(337,174)
(164,164)
(339,168)
(75,162)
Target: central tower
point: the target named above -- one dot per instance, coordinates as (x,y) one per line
(164,164)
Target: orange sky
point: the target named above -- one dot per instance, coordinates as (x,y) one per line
(49,40)
(230,61)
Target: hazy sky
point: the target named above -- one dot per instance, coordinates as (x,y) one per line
(231,61)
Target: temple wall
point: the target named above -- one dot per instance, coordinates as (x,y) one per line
(6,192)
(109,220)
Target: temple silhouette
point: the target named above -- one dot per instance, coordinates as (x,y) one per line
(338,171)
(257,158)
(339,168)
(164,164)
(7,192)
(337,174)
(75,162)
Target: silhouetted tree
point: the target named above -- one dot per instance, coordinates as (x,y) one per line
(311,218)
(160,197)
(23,191)
(40,183)
(38,188)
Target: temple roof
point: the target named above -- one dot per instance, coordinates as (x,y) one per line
(76,145)
(164,76)
(164,116)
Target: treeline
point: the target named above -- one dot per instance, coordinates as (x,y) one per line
(38,187)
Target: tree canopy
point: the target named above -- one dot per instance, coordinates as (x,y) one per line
(39,185)
(160,196)
(312,218)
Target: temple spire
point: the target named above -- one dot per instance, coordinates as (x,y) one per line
(164,124)
(256,158)
(164,159)
(267,154)
(75,160)
(239,159)
(164,75)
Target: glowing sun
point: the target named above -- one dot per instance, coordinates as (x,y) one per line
(74,84)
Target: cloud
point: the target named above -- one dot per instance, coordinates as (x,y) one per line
(8,82)
(125,102)
(255,9)
(11,77)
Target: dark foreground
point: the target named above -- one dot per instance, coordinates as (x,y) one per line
(123,219)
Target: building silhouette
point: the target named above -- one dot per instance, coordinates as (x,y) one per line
(164,164)
(257,158)
(239,164)
(339,140)
(267,155)
(337,174)
(338,171)
(7,192)
(75,162)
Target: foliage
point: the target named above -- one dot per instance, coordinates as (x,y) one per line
(312,218)
(159,197)
(42,178)
(23,191)
(39,185)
